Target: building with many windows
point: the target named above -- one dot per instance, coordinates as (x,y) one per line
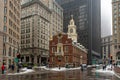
(1,31)
(107,49)
(11,28)
(116,30)
(64,49)
(40,20)
(35,24)
(56,18)
(88,21)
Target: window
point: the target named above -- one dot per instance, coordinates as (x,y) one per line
(53,49)
(13,52)
(5,19)
(52,59)
(115,16)
(115,27)
(5,29)
(28,30)
(59,49)
(115,22)
(10,51)
(66,58)
(5,10)
(115,40)
(59,40)
(4,38)
(5,1)
(28,41)
(115,46)
(23,31)
(4,51)
(115,31)
(66,48)
(28,36)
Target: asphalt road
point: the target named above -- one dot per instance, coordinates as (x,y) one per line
(62,75)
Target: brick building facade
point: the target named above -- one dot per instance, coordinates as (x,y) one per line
(62,51)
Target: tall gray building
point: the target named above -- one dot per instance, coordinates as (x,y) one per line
(35,23)
(88,21)
(40,20)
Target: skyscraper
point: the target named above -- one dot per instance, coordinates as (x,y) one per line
(87,17)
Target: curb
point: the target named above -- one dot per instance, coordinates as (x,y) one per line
(117,74)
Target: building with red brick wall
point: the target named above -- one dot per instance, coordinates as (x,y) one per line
(63,50)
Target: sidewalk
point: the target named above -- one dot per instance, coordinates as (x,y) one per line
(117,71)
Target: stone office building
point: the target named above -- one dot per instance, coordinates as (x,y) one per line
(11,29)
(1,30)
(40,20)
(116,30)
(107,49)
(35,23)
(64,49)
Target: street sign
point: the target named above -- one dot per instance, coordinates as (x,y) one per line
(16,60)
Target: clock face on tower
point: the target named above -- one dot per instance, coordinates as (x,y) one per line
(71,30)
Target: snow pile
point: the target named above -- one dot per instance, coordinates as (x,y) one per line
(109,69)
(25,70)
(57,68)
(105,71)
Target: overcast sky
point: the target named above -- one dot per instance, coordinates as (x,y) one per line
(106,17)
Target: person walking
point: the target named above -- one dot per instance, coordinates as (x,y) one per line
(12,67)
(3,68)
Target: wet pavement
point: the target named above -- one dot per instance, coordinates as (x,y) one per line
(62,75)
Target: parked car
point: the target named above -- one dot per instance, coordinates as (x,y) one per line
(69,65)
(83,66)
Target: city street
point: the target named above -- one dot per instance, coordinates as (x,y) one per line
(62,75)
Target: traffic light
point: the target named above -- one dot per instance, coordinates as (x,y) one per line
(18,56)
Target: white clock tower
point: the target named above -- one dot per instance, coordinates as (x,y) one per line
(72,30)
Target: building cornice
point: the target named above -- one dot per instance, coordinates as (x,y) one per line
(33,2)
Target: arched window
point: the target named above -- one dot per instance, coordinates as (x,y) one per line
(59,49)
(13,52)
(10,51)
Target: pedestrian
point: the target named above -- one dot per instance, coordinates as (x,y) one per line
(9,66)
(12,67)
(3,68)
(103,67)
(82,67)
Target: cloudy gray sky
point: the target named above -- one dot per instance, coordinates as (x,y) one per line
(106,17)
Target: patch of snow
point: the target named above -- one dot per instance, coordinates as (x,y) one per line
(109,69)
(24,69)
(89,66)
(57,68)
(24,72)
(105,71)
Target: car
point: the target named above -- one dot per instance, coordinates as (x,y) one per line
(29,65)
(83,66)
